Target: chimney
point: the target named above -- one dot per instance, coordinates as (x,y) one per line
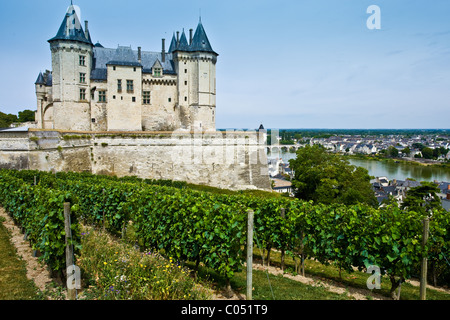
(163,52)
(190,36)
(178,38)
(139,55)
(86,29)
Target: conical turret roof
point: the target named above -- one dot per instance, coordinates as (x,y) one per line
(40,79)
(173,44)
(71,29)
(200,40)
(183,45)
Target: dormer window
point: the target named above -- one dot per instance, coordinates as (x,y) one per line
(157,72)
(157,69)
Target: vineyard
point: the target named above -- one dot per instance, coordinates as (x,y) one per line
(211,229)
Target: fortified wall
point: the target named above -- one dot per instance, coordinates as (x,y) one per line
(233,160)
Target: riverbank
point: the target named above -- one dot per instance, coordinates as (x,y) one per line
(409,161)
(399,168)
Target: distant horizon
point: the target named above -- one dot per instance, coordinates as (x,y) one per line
(378,129)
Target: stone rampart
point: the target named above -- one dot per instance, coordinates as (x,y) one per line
(233,159)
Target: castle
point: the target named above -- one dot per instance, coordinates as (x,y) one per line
(92,88)
(105,111)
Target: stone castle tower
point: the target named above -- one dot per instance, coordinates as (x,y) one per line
(92,88)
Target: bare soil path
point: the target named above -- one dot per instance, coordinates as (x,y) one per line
(36,270)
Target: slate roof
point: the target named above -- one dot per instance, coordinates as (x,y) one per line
(71,29)
(200,42)
(40,79)
(173,44)
(75,32)
(443,186)
(446,204)
(183,45)
(44,79)
(125,56)
(408,183)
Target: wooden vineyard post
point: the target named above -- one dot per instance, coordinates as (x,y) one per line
(71,294)
(250,254)
(283,216)
(103,213)
(423,269)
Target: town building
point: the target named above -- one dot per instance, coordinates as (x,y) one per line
(93,88)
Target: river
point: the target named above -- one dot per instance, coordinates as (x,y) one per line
(399,171)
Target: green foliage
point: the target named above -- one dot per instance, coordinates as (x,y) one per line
(329,178)
(423,199)
(26,116)
(117,271)
(392,152)
(427,153)
(406,151)
(7,119)
(40,212)
(210,228)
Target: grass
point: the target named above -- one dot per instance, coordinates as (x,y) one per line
(14,284)
(113,269)
(215,190)
(281,288)
(271,287)
(354,279)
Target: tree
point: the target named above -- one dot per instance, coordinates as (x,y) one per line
(423,198)
(392,152)
(329,178)
(427,153)
(26,115)
(7,119)
(407,151)
(418,145)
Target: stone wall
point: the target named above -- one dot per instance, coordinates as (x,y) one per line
(232,160)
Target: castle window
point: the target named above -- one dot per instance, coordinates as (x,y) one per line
(130,86)
(170,99)
(157,72)
(133,99)
(185,83)
(114,68)
(119,86)
(93,120)
(82,77)
(185,98)
(82,60)
(146,97)
(82,94)
(185,70)
(102,96)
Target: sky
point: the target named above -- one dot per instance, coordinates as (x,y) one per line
(283,64)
